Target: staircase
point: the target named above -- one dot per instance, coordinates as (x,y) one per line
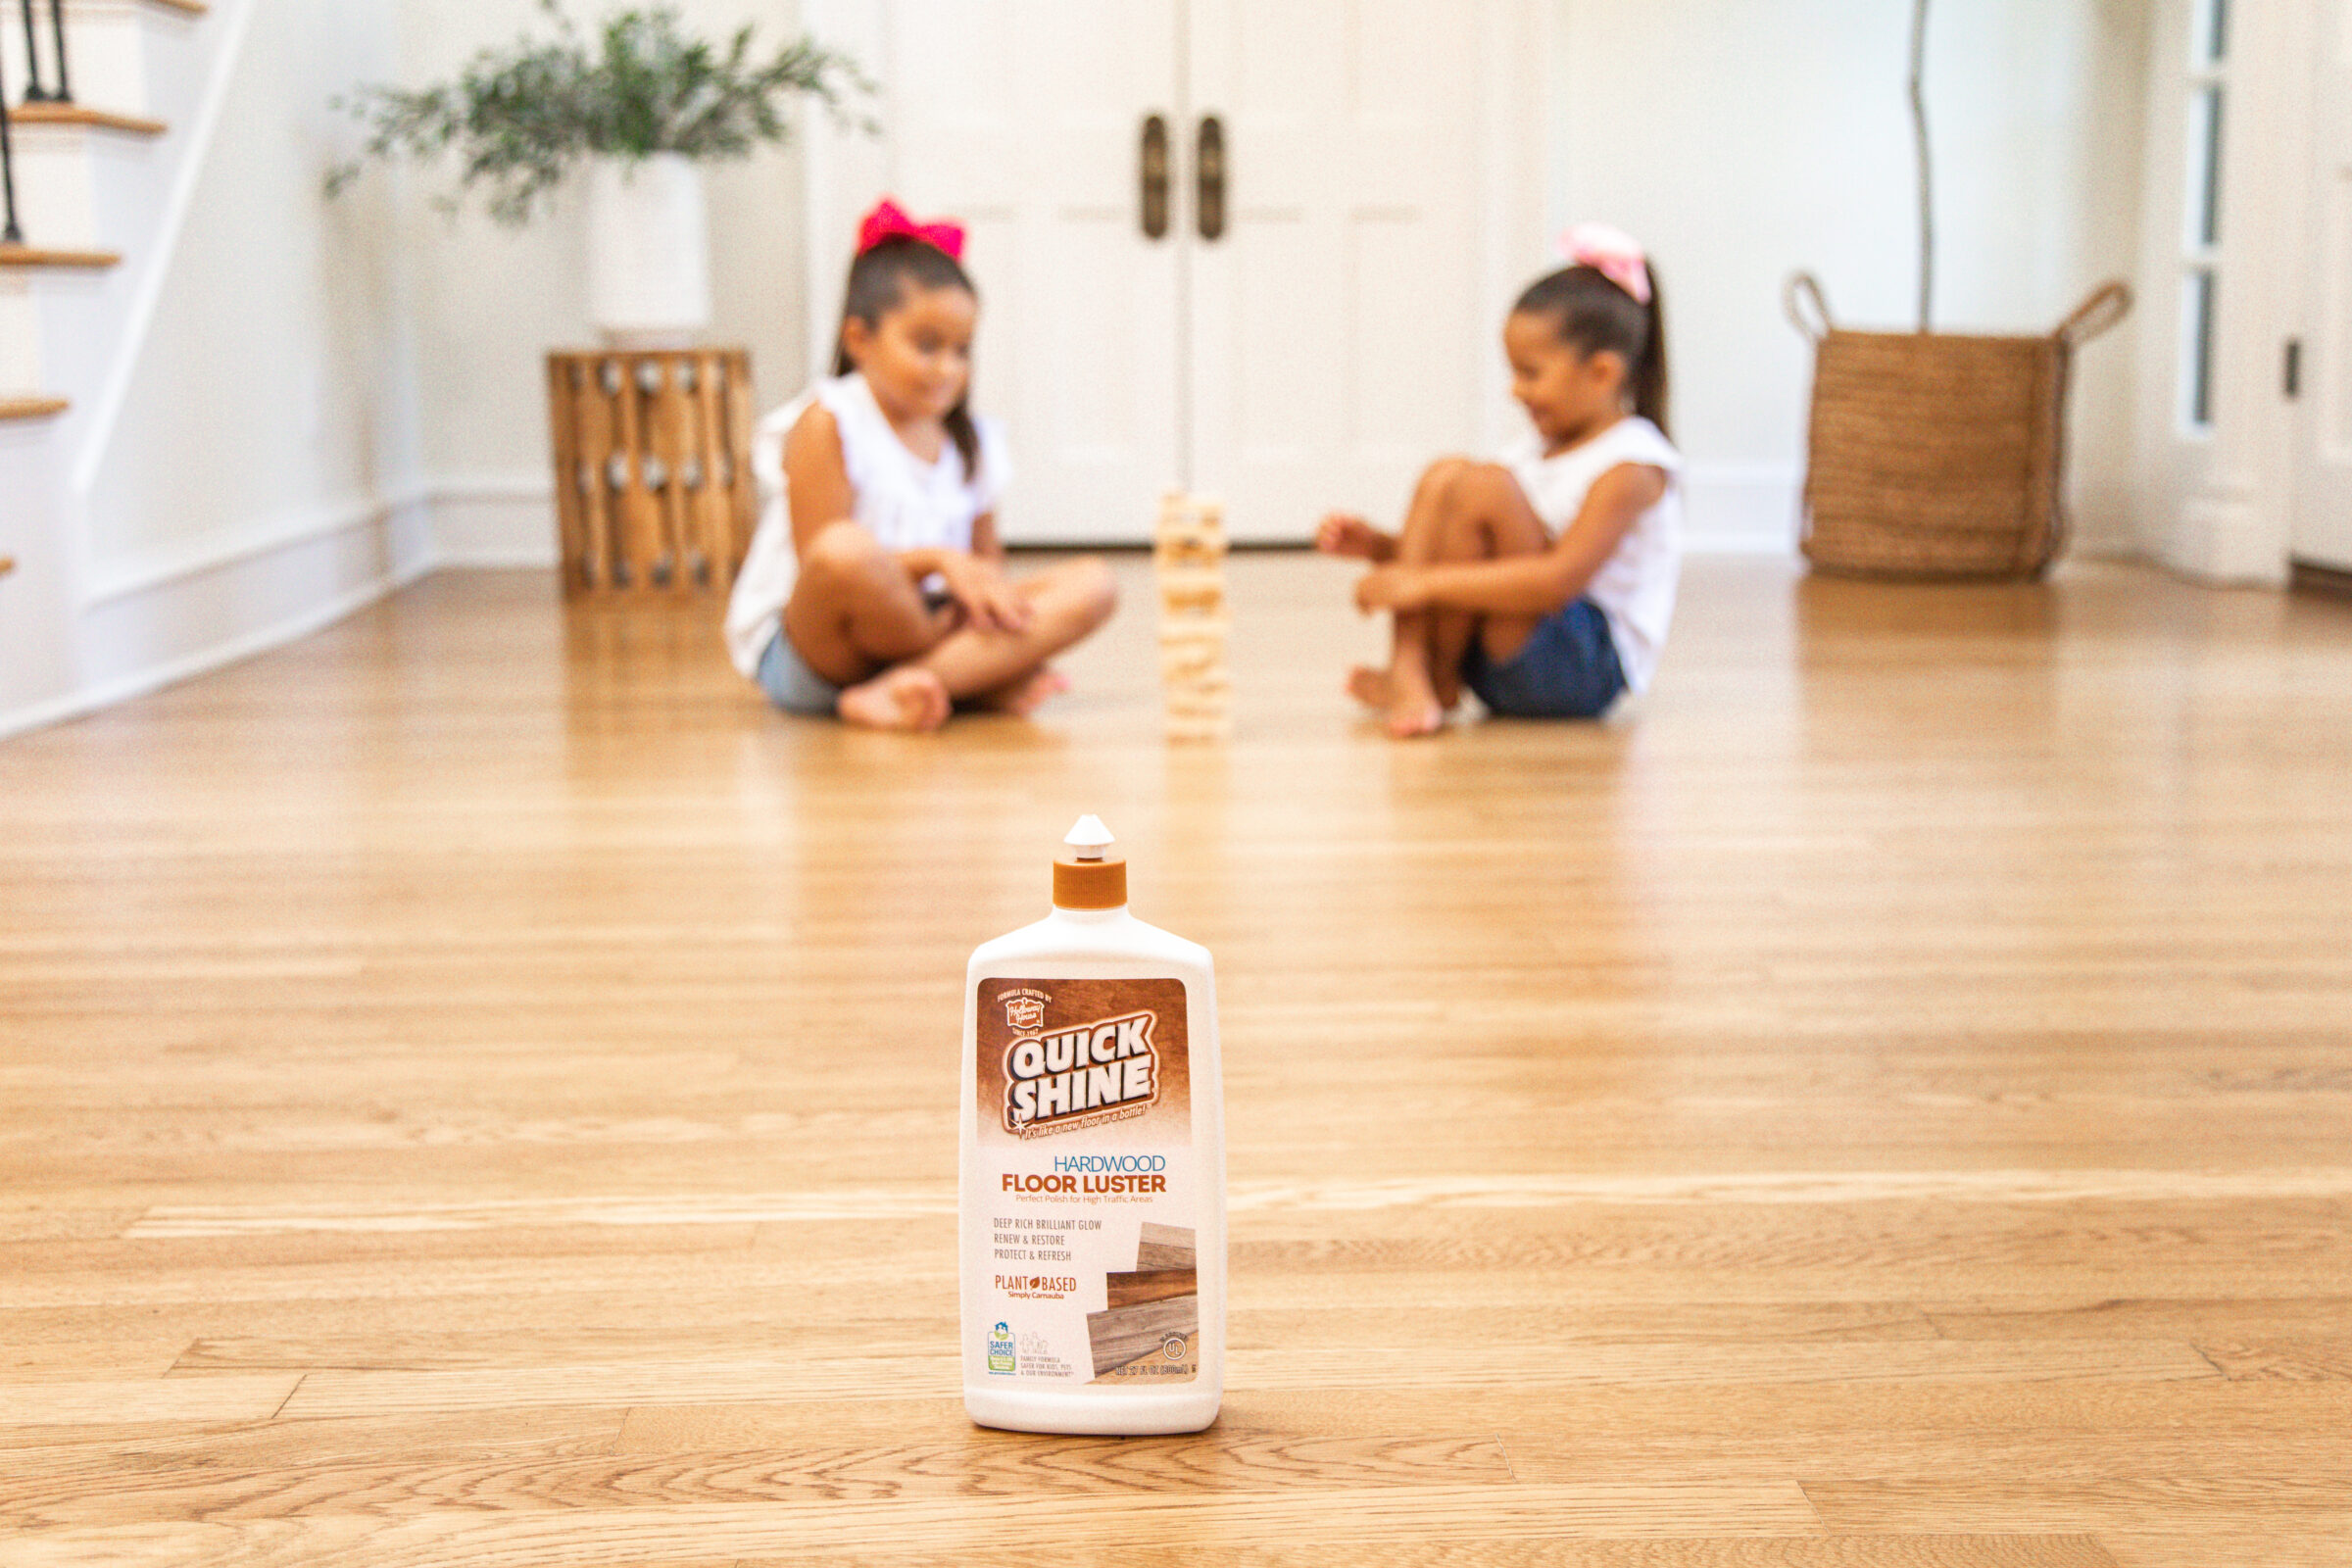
(84,82)
(108,106)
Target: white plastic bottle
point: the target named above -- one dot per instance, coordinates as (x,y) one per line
(1092,1215)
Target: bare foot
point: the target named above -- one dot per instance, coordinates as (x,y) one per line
(905,698)
(1023,697)
(1369,686)
(1413,705)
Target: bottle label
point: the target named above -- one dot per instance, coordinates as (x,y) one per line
(1089,1185)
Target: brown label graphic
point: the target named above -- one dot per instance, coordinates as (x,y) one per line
(1150,1329)
(1113,1212)
(1058,1055)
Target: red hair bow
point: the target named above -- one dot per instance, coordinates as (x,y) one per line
(889,220)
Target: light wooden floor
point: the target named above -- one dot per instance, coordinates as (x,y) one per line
(477,1088)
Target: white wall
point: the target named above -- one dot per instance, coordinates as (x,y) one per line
(284,406)
(231,468)
(1745,139)
(271,392)
(488,302)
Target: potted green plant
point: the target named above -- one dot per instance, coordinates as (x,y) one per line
(640,111)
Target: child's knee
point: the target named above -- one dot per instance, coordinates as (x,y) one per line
(1093,591)
(841,553)
(1440,474)
(1480,490)
(1079,597)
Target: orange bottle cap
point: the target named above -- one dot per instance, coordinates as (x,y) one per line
(1089,874)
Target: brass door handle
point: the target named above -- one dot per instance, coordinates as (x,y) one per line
(1209,171)
(1151,170)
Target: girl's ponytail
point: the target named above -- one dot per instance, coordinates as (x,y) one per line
(1648,373)
(1596,306)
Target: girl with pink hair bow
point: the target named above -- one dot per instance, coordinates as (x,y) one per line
(874,588)
(1542,581)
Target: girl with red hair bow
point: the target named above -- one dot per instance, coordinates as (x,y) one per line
(874,588)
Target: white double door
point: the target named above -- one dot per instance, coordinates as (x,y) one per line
(2322,529)
(1288,293)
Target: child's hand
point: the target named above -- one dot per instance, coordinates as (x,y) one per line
(1342,533)
(1391,588)
(988,600)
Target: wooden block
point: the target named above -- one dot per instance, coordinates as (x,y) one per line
(1200,629)
(1125,1334)
(1165,1247)
(1192,579)
(1188,556)
(1206,730)
(1192,599)
(1195,684)
(1203,653)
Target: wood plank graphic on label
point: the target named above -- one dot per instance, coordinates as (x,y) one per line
(1165,1247)
(1144,1309)
(1149,1284)
(1127,1333)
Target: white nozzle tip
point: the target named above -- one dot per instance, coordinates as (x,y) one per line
(1089,838)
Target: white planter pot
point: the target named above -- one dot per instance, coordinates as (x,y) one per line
(649,251)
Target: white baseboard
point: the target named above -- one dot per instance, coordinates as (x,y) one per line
(140,637)
(2224,539)
(1740,511)
(141,571)
(496,519)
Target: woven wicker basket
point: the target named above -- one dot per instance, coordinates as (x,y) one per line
(1938,455)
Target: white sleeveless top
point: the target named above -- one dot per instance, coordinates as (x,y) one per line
(1634,587)
(903,502)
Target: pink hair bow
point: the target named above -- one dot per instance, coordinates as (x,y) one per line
(889,220)
(1612,253)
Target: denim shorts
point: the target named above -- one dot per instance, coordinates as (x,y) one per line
(1567,668)
(791,684)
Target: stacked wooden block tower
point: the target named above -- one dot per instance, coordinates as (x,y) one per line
(1189,549)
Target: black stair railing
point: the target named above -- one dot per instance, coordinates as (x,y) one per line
(34,91)
(10,234)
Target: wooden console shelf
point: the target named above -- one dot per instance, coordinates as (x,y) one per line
(654,488)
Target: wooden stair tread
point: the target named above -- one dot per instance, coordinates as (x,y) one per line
(38,255)
(30,408)
(82,115)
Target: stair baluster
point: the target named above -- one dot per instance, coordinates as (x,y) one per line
(57,31)
(34,92)
(10,234)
